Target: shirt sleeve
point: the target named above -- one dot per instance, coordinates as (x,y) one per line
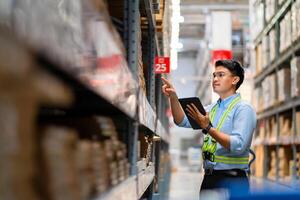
(185,123)
(244,124)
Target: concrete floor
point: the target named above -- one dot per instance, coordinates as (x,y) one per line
(185,183)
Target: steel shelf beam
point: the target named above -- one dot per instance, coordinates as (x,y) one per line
(273,21)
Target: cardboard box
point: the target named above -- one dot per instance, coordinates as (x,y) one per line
(295,26)
(258,56)
(265,51)
(272,41)
(284,84)
(295,76)
(59,153)
(259,163)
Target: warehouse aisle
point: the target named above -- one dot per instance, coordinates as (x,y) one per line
(185,184)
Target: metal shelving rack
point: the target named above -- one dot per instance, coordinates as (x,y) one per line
(290,105)
(145,115)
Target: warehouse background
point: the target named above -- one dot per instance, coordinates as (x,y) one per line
(82,115)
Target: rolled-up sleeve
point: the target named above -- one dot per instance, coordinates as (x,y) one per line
(185,123)
(244,124)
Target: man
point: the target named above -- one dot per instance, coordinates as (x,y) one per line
(229,124)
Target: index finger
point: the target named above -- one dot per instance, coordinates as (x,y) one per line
(165,81)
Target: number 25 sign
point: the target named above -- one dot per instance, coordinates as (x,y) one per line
(162,65)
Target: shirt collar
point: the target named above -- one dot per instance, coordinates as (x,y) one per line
(225,102)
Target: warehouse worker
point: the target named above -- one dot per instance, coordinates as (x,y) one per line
(229,124)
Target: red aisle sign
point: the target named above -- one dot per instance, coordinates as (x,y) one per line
(162,65)
(220,55)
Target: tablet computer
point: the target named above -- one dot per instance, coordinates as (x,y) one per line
(196,101)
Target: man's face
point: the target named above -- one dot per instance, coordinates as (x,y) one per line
(223,80)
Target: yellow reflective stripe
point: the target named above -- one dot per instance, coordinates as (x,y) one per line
(231,160)
(231,105)
(205,144)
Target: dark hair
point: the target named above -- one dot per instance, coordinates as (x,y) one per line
(234,67)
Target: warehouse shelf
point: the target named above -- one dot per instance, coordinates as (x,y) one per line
(273,21)
(125,190)
(289,104)
(99,90)
(87,98)
(278,62)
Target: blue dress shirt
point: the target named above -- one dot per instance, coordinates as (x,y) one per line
(239,125)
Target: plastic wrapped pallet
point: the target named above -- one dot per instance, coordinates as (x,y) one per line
(295,76)
(52,27)
(59,158)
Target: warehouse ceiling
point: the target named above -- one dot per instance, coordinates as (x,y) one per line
(192,30)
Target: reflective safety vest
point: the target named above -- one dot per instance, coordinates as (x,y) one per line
(210,144)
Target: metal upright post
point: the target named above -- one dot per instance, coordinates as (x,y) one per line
(151,57)
(133,27)
(131,17)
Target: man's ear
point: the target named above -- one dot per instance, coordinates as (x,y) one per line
(235,80)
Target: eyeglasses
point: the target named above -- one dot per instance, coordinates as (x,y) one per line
(219,74)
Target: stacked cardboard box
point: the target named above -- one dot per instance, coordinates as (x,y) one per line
(262,129)
(271,126)
(295,25)
(270,9)
(284,84)
(298,124)
(284,156)
(258,18)
(102,172)
(259,163)
(295,76)
(285,32)
(272,41)
(84,159)
(258,56)
(297,5)
(59,158)
(269,90)
(285,123)
(265,51)
(272,167)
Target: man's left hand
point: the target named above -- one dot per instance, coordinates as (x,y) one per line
(194,113)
